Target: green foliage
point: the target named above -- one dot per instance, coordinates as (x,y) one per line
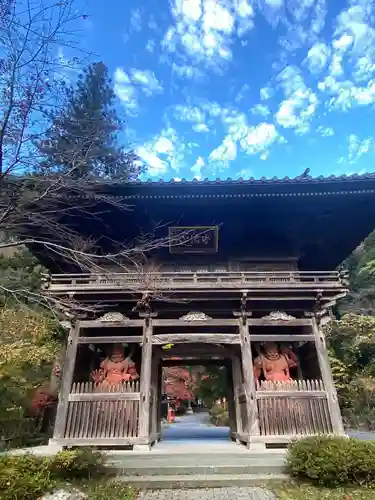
(333,461)
(211,385)
(110,491)
(29,346)
(20,277)
(305,491)
(361,266)
(219,416)
(351,343)
(84,133)
(24,477)
(27,477)
(77,464)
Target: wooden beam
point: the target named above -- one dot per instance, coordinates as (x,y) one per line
(326,373)
(145,385)
(210,322)
(292,322)
(124,441)
(204,338)
(105,396)
(248,373)
(115,324)
(129,339)
(67,379)
(282,338)
(291,394)
(194,362)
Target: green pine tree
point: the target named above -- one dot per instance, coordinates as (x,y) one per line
(83,139)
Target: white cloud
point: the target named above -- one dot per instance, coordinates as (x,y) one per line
(125,91)
(260,138)
(260,110)
(189,113)
(196,169)
(266,93)
(227,151)
(300,104)
(150,47)
(363,69)
(317,57)
(187,71)
(164,153)
(147,81)
(245,16)
(136,20)
(241,93)
(200,127)
(163,145)
(245,173)
(325,131)
(155,166)
(203,30)
(335,68)
(343,43)
(357,148)
(345,94)
(297,111)
(355,22)
(276,4)
(190,8)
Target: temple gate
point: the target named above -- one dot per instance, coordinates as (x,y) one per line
(243,293)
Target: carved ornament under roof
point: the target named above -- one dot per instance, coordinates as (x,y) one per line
(278,316)
(113,317)
(195,316)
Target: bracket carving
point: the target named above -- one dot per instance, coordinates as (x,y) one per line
(113,317)
(195,316)
(278,316)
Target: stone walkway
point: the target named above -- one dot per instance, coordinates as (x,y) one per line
(208,494)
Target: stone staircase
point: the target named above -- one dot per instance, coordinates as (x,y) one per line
(197,469)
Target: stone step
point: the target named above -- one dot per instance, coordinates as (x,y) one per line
(200,470)
(200,481)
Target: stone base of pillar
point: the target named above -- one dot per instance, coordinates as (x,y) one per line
(142,447)
(256,446)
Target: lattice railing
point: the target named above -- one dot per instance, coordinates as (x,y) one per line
(176,280)
(103,412)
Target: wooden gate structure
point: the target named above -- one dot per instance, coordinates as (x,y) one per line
(220,293)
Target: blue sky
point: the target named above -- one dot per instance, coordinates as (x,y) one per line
(242,88)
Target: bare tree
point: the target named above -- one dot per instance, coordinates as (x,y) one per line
(37,197)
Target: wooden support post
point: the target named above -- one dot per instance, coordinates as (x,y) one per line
(67,379)
(159,396)
(248,373)
(237,383)
(230,398)
(155,395)
(145,384)
(326,374)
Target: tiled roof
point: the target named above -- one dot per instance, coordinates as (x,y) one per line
(301,179)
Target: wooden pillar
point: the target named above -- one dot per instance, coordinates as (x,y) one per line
(66,385)
(237,383)
(155,395)
(145,384)
(230,398)
(159,395)
(326,373)
(248,373)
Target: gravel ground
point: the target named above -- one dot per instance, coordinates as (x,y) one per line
(209,494)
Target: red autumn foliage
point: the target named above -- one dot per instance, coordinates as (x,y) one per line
(43,398)
(179,383)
